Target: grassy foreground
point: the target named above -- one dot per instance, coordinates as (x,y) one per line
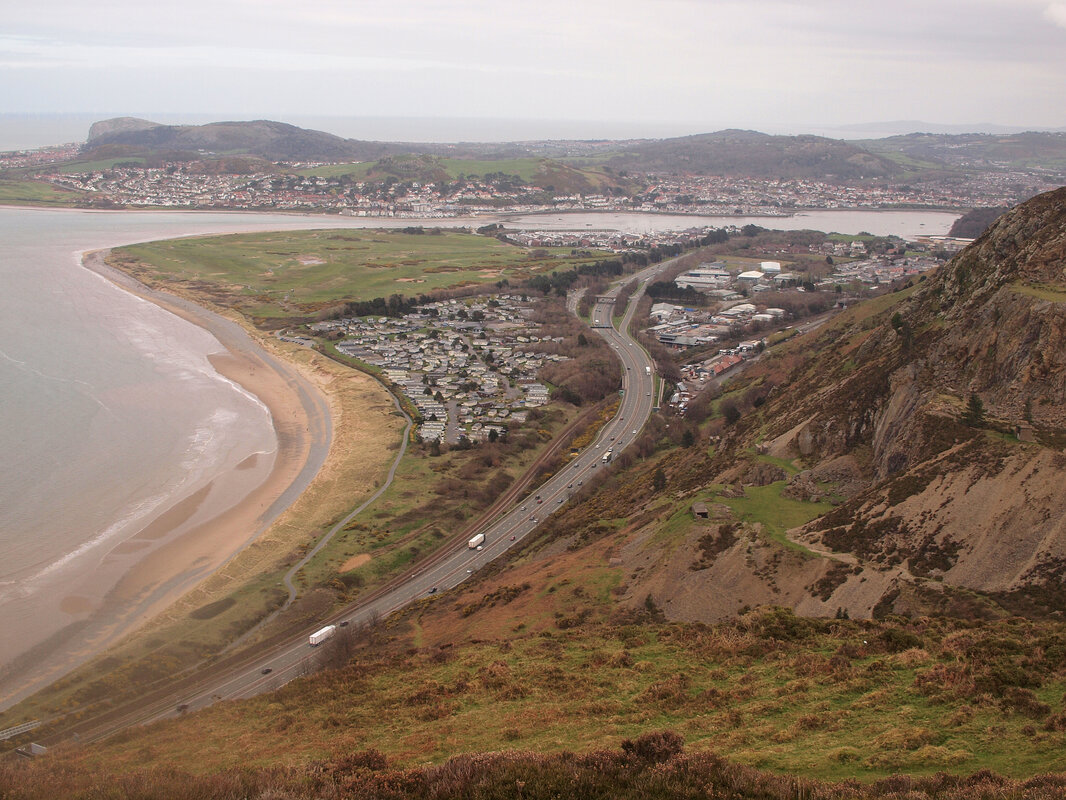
(821,699)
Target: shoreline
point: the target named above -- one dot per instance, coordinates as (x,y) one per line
(194,538)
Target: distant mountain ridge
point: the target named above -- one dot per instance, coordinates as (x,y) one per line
(750,153)
(730,152)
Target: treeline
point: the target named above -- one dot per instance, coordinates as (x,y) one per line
(560,282)
(395,305)
(670,291)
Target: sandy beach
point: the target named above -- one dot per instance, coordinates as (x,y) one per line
(195,537)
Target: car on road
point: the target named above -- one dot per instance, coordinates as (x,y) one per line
(512,538)
(634,433)
(569,486)
(266,670)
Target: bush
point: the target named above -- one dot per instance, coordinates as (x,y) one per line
(655,748)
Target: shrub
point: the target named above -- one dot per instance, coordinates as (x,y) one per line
(655,748)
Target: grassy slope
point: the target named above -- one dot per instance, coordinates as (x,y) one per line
(828,699)
(537,171)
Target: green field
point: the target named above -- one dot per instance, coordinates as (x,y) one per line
(101,164)
(293,273)
(38,193)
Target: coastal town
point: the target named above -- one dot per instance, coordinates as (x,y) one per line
(183,185)
(423,188)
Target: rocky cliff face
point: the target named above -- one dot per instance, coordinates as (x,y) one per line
(991,322)
(975,507)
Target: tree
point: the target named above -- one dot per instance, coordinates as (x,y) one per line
(688,438)
(658,480)
(730,412)
(974,416)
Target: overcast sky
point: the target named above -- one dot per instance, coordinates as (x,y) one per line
(704,64)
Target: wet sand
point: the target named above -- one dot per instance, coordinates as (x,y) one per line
(196,536)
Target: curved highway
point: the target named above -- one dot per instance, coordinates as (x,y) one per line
(297,658)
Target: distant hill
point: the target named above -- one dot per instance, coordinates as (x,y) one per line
(975,222)
(103,131)
(1044,150)
(276,141)
(749,153)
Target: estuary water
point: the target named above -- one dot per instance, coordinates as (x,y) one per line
(110,412)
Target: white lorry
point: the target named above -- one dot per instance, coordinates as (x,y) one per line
(476,542)
(321,635)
